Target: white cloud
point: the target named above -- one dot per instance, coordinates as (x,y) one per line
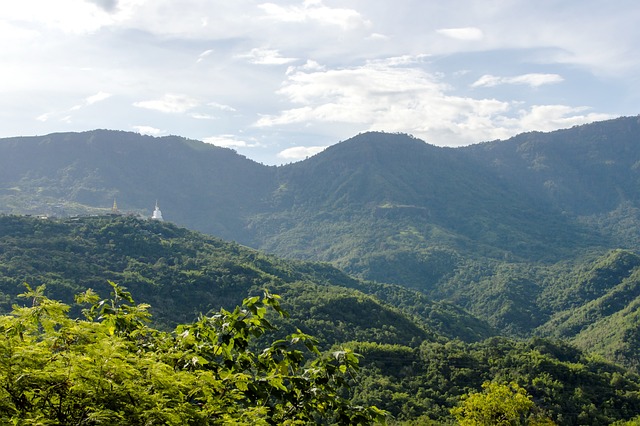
(388,95)
(488,81)
(310,65)
(381,95)
(148,130)
(203,55)
(16,36)
(201,116)
(378,36)
(65,117)
(221,107)
(552,117)
(466,33)
(45,117)
(230,141)
(290,116)
(69,16)
(395,61)
(315,11)
(533,80)
(170,103)
(300,152)
(98,97)
(107,5)
(263,56)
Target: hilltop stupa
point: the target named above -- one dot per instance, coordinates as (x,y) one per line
(114,208)
(157,214)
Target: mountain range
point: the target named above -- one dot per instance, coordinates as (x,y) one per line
(418,357)
(537,234)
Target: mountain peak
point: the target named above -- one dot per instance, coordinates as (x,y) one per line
(385,149)
(382,140)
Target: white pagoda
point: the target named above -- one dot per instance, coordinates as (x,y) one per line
(157,214)
(114,209)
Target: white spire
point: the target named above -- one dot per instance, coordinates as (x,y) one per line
(157,214)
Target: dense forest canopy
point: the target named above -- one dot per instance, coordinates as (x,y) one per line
(413,361)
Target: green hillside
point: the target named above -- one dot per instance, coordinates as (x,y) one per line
(535,235)
(584,170)
(182,274)
(396,192)
(600,308)
(414,362)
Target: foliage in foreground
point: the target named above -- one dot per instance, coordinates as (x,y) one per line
(111,368)
(499,404)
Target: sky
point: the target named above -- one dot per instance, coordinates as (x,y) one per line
(278,81)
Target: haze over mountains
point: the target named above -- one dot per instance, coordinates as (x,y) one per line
(513,231)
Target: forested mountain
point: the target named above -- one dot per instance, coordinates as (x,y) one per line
(435,195)
(183,274)
(79,173)
(584,170)
(536,235)
(419,357)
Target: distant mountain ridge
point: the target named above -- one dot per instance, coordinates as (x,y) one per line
(396,175)
(586,170)
(499,228)
(76,173)
(583,170)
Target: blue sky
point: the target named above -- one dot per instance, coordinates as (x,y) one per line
(278,81)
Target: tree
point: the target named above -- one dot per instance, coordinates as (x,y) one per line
(633,422)
(111,368)
(498,405)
